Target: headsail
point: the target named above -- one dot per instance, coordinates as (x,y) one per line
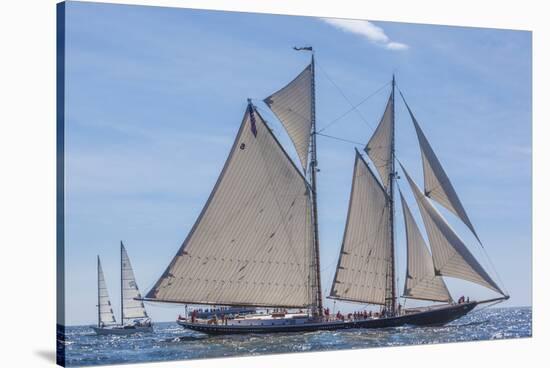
(380,145)
(436,182)
(450,255)
(292,106)
(364,263)
(421,282)
(131,308)
(105,310)
(252,244)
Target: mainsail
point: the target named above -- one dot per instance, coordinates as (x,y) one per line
(292,106)
(105,310)
(379,147)
(131,308)
(450,255)
(365,256)
(252,243)
(421,282)
(437,184)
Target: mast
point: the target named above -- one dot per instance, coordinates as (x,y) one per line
(390,304)
(98,295)
(121,288)
(313,173)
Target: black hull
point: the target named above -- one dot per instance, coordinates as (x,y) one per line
(433,317)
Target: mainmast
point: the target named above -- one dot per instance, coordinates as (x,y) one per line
(390,298)
(318,307)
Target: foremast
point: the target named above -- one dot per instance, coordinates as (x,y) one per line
(391,279)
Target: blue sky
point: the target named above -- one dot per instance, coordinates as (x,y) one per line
(154,98)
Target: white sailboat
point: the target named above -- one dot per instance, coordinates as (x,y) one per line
(133,316)
(256,241)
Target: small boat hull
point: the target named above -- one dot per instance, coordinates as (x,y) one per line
(432,317)
(118,330)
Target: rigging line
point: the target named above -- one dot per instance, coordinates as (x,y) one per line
(353,107)
(341,139)
(494,269)
(478,310)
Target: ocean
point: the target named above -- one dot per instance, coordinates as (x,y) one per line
(171,342)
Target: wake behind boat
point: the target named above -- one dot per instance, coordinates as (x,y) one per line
(133,316)
(256,241)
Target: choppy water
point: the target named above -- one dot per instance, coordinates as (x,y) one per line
(171,342)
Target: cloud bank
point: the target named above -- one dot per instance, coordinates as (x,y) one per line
(367,30)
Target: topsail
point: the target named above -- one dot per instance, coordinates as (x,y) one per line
(292,106)
(380,145)
(364,264)
(106,315)
(436,182)
(450,255)
(252,243)
(131,308)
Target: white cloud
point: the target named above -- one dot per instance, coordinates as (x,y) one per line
(396,46)
(368,30)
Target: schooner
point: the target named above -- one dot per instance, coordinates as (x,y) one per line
(133,316)
(256,241)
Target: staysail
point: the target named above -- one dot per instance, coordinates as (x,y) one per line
(450,255)
(292,106)
(421,282)
(379,146)
(131,308)
(365,256)
(437,184)
(253,242)
(105,310)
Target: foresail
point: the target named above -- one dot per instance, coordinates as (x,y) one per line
(379,146)
(292,106)
(252,244)
(131,308)
(450,255)
(364,263)
(421,282)
(436,182)
(106,315)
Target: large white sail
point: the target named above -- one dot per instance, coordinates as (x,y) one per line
(421,282)
(380,145)
(292,106)
(437,184)
(105,314)
(131,308)
(365,257)
(450,255)
(253,243)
